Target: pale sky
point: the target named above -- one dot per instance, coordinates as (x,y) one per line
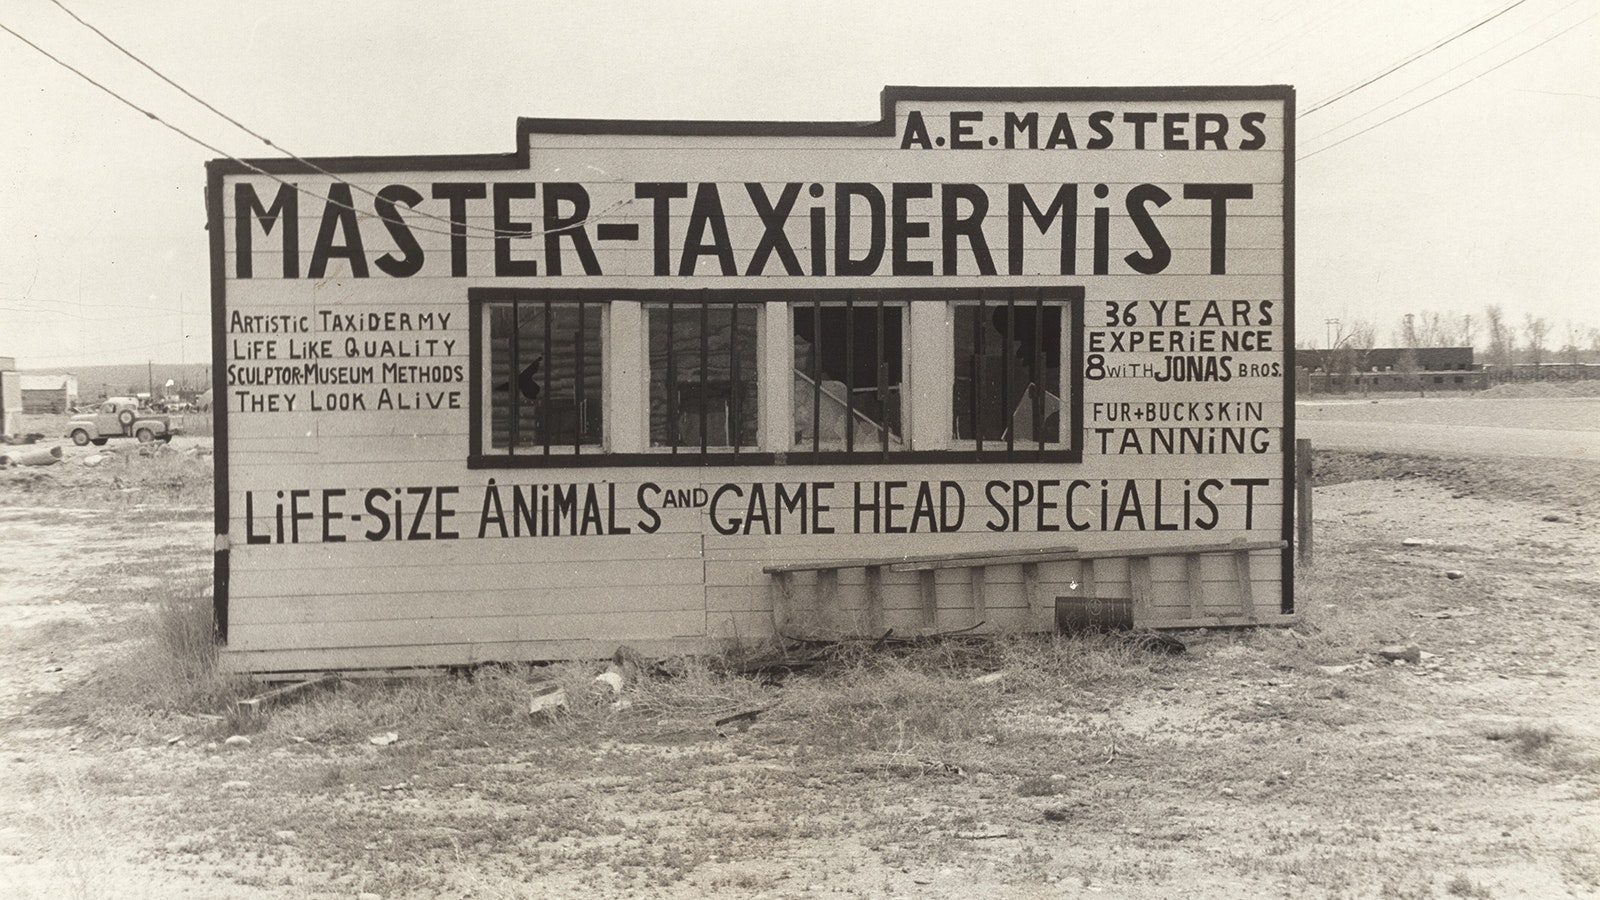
(1483,195)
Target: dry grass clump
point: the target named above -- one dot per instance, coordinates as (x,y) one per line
(905,698)
(167,671)
(1546,746)
(175,664)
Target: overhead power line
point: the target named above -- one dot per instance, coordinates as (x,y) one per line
(1392,69)
(1451,90)
(1440,76)
(260,171)
(1419,86)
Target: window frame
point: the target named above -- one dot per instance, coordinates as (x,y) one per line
(1069,421)
(919,402)
(554,454)
(705,301)
(853,302)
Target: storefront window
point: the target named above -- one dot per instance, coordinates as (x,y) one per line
(546,370)
(848,372)
(1007,388)
(703,373)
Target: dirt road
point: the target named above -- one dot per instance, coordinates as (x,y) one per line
(1293,762)
(1566,429)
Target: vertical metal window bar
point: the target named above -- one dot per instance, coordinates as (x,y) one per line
(816,373)
(1036,367)
(980,332)
(882,368)
(849,373)
(672,377)
(549,364)
(705,363)
(514,380)
(1005,374)
(579,346)
(734,419)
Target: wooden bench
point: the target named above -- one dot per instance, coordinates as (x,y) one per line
(1140,585)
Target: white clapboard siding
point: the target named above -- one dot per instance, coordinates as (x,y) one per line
(664,578)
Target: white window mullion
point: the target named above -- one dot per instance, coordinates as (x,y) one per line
(627,379)
(776,388)
(931,372)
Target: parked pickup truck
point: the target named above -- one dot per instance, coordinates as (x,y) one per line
(122,417)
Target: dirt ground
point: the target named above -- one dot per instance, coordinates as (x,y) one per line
(1286,762)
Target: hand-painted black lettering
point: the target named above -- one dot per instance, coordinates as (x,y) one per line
(571,227)
(844,196)
(661,194)
(1024,124)
(1138,201)
(970,226)
(505,230)
(1100,124)
(410,263)
(916,134)
(458,193)
(904,230)
(1172,131)
(1139,121)
(1251,123)
(283,213)
(1219,195)
(774,239)
(1063,208)
(707,215)
(961,130)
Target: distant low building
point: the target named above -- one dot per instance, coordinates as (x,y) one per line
(1390,369)
(49,394)
(10,398)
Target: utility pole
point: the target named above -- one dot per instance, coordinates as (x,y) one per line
(150,370)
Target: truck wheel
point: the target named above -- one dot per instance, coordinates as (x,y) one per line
(145,435)
(80,437)
(125,417)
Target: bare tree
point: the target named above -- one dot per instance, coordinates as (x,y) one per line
(1502,341)
(1350,346)
(1536,329)
(1356,349)
(1428,328)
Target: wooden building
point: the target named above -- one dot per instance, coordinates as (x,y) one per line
(667,383)
(49,394)
(10,398)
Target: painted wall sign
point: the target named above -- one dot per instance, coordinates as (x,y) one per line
(530,405)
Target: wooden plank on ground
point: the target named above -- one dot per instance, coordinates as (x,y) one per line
(250,709)
(980,598)
(1086,578)
(1030,589)
(1002,559)
(1241,576)
(1197,585)
(782,600)
(828,597)
(874,598)
(953,558)
(1140,586)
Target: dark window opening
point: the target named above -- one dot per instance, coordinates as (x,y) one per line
(1008,387)
(848,370)
(703,375)
(546,370)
